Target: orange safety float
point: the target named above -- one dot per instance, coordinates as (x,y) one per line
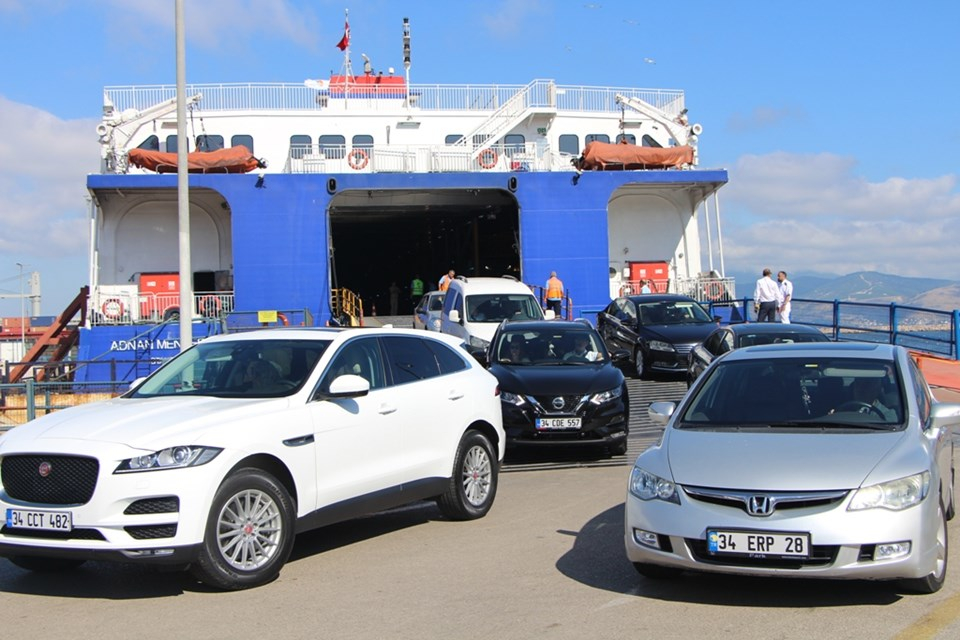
(713,290)
(488,158)
(209,306)
(357,159)
(282,319)
(112,309)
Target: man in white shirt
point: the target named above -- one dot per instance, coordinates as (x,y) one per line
(786,294)
(766,298)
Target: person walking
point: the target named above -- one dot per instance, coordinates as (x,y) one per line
(394,298)
(446,280)
(554,294)
(766,298)
(786,295)
(416,290)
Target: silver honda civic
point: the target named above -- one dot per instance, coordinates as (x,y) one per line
(821,460)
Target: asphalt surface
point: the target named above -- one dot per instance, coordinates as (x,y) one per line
(547,561)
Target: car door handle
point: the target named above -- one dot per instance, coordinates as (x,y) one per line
(386,409)
(454,395)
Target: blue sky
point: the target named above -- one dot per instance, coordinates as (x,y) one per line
(837,121)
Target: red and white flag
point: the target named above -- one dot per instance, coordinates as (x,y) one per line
(345,40)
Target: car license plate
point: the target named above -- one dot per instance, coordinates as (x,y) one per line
(48,520)
(793,545)
(552,424)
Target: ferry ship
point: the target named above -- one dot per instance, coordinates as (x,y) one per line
(308,200)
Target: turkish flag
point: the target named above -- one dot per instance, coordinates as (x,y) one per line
(345,40)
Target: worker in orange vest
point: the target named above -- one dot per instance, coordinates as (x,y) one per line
(554,293)
(446,280)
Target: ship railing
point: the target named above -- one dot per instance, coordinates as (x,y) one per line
(120,308)
(421,97)
(505,157)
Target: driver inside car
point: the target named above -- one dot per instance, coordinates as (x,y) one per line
(868,393)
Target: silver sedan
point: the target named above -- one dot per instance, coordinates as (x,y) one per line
(827,460)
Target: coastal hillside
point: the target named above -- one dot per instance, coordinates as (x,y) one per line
(869,286)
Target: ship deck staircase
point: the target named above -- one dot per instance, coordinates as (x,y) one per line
(59,337)
(537,99)
(346,308)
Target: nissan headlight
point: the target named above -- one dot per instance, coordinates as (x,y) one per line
(170,458)
(895,495)
(512,398)
(606,396)
(660,345)
(648,486)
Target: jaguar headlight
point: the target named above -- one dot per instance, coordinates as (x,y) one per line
(895,495)
(648,486)
(606,396)
(170,458)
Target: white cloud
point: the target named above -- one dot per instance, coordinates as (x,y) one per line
(812,212)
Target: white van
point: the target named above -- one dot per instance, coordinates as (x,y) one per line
(474,307)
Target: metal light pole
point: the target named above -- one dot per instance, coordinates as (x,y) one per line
(23,333)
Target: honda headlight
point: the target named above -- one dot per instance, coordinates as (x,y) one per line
(512,398)
(894,495)
(660,345)
(606,396)
(648,486)
(170,458)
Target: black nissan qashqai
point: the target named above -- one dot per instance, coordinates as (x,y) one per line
(559,385)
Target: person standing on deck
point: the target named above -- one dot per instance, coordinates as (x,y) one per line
(786,295)
(394,298)
(554,293)
(766,298)
(446,280)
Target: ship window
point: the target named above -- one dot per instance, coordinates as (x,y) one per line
(453,138)
(513,143)
(628,137)
(332,146)
(242,141)
(300,146)
(172,144)
(650,142)
(362,142)
(570,143)
(152,143)
(596,137)
(209,143)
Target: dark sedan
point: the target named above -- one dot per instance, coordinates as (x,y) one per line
(559,385)
(745,335)
(658,330)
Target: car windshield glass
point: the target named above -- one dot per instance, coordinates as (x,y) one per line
(497,307)
(671,312)
(556,346)
(821,392)
(237,369)
(436,303)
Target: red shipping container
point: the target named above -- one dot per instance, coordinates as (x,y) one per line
(159,292)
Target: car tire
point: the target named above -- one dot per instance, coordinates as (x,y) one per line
(639,369)
(45,565)
(656,571)
(932,582)
(249,532)
(473,483)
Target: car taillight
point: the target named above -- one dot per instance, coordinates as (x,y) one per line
(496,391)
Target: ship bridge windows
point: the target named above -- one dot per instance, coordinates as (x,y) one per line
(362,142)
(597,137)
(626,138)
(242,141)
(332,146)
(300,145)
(171,144)
(152,143)
(569,143)
(649,141)
(208,142)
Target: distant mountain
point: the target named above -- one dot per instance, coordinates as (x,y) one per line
(867,286)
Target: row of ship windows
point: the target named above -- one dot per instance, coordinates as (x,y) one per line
(335,145)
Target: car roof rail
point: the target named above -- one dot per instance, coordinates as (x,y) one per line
(508,276)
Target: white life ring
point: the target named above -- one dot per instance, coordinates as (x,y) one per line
(488,158)
(357,159)
(112,308)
